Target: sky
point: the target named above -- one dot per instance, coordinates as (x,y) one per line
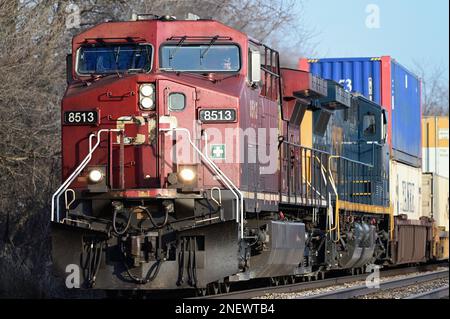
(408,30)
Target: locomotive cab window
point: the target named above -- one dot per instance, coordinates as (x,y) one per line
(113,58)
(200,58)
(369,126)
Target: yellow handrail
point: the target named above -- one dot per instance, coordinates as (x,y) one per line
(336,226)
(392,221)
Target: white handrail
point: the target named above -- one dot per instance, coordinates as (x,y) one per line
(56,196)
(228,183)
(236,188)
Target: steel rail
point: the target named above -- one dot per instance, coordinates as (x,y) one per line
(362,290)
(438,293)
(323,283)
(246,294)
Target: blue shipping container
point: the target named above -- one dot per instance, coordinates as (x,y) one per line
(387,83)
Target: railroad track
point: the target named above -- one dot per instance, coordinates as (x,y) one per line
(361,290)
(438,293)
(323,283)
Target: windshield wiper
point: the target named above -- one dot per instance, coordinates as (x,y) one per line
(95,77)
(135,70)
(213,40)
(104,75)
(116,60)
(172,53)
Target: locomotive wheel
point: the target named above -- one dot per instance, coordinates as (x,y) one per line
(285,280)
(213,288)
(274,281)
(201,292)
(291,280)
(225,286)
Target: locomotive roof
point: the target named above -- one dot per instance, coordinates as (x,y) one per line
(157,31)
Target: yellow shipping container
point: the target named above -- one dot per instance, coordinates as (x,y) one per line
(435,143)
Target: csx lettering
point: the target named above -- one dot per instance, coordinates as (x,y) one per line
(408,196)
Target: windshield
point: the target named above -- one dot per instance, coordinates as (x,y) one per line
(114,58)
(200,58)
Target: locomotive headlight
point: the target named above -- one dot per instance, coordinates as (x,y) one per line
(147,96)
(95,175)
(147,103)
(187,175)
(147,90)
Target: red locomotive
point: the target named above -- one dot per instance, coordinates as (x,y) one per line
(190,161)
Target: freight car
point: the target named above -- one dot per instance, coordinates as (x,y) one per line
(191,159)
(435,205)
(435,196)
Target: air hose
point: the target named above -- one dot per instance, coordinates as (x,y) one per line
(152,220)
(154,269)
(123,231)
(91,264)
(181,262)
(150,276)
(151,273)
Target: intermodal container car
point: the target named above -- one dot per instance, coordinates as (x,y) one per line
(386,82)
(435,205)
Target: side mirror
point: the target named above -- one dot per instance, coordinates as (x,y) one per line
(69,69)
(255,75)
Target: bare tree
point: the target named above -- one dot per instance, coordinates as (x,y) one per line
(34,39)
(435,95)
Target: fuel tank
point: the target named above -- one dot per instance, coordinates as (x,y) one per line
(283,252)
